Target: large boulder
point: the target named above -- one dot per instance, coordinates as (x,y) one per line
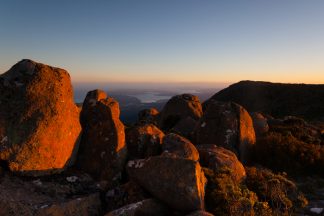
(260,124)
(36,197)
(219,159)
(228,125)
(144,141)
(39,122)
(179,183)
(147,207)
(179,107)
(185,127)
(180,147)
(102,149)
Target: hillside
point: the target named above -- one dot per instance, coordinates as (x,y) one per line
(277,99)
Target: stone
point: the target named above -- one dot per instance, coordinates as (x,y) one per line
(260,124)
(227,125)
(177,182)
(185,127)
(179,107)
(123,195)
(39,121)
(148,207)
(29,198)
(103,151)
(144,141)
(218,159)
(180,146)
(148,116)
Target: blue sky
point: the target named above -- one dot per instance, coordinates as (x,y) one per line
(168,40)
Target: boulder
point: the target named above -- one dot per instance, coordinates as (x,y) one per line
(179,146)
(185,127)
(260,124)
(228,125)
(179,183)
(123,195)
(148,116)
(39,198)
(39,122)
(144,141)
(148,207)
(220,159)
(102,149)
(179,107)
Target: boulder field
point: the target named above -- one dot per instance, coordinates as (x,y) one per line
(187,159)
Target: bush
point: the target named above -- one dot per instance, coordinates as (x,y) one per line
(281,193)
(284,152)
(224,197)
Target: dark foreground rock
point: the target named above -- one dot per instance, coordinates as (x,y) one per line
(102,149)
(148,116)
(39,122)
(144,141)
(200,213)
(179,183)
(227,125)
(179,107)
(219,159)
(148,207)
(29,198)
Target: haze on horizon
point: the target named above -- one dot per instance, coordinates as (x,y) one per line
(166,41)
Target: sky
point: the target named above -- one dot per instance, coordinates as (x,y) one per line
(168,41)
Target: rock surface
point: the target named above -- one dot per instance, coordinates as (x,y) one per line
(39,198)
(148,116)
(180,147)
(148,207)
(102,149)
(179,107)
(179,183)
(260,124)
(200,213)
(228,125)
(218,158)
(144,141)
(39,122)
(185,127)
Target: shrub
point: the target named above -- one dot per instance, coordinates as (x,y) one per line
(224,197)
(281,193)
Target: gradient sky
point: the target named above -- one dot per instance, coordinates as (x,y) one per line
(168,40)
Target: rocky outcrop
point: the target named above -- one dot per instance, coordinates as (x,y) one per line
(277,99)
(148,116)
(219,159)
(102,149)
(228,125)
(148,207)
(39,198)
(180,147)
(179,107)
(39,122)
(144,141)
(200,213)
(179,183)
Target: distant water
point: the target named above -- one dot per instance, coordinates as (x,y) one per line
(150,97)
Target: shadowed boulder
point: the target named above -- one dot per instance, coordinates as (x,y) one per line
(179,183)
(148,116)
(39,122)
(181,147)
(102,149)
(219,159)
(228,125)
(200,213)
(179,107)
(260,124)
(144,141)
